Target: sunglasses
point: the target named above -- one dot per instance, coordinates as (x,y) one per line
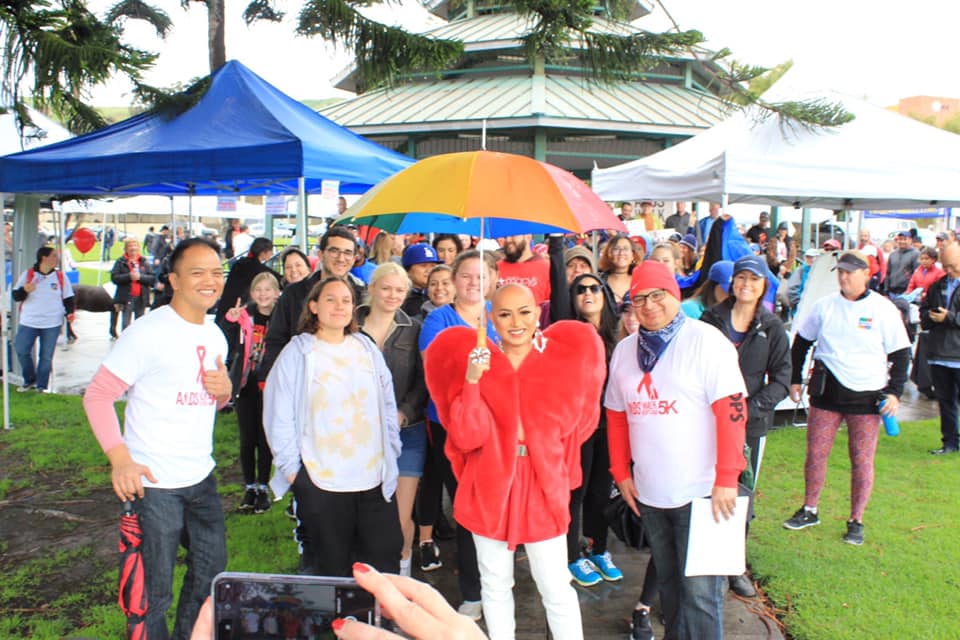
(583,288)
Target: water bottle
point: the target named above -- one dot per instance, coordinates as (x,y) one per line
(890,423)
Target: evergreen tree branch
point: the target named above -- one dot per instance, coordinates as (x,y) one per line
(140,10)
(172,102)
(809,114)
(262,10)
(382,53)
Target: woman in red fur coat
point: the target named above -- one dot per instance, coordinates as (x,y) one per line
(515,418)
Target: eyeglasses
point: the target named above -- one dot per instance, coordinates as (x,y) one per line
(655,296)
(583,288)
(621,250)
(334,252)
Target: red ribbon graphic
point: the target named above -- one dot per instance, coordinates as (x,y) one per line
(201,352)
(647,383)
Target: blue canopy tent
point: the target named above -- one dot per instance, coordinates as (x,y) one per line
(244,137)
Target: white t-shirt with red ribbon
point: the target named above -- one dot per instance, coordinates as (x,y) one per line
(168,422)
(673,432)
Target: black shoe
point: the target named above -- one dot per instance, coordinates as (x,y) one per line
(742,586)
(429,556)
(942,451)
(640,628)
(262,504)
(289,511)
(854,533)
(443,530)
(249,500)
(802,519)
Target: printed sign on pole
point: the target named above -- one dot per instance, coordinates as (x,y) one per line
(275,205)
(227,204)
(330,189)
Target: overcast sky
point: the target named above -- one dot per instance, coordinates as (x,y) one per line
(880,50)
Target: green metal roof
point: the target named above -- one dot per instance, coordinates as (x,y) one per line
(481,32)
(560,102)
(442,8)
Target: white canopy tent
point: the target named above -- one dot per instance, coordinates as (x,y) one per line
(880,160)
(45,131)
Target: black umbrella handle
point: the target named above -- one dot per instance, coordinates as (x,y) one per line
(127,508)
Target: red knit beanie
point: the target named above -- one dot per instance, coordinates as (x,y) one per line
(651,274)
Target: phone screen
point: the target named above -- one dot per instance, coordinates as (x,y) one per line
(276,606)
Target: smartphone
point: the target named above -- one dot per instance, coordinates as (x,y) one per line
(258,605)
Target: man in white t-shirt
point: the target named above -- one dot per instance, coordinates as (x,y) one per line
(681,423)
(163,461)
(861,360)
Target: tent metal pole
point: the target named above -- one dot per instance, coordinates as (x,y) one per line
(4,325)
(302,232)
(103,237)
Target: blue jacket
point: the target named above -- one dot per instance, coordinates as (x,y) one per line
(285,411)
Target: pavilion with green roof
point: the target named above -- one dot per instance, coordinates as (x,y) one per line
(553,112)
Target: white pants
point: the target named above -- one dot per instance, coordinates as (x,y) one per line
(548,565)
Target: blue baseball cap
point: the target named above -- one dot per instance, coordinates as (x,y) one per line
(690,240)
(754,264)
(419,254)
(721,272)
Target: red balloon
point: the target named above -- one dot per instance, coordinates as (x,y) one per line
(83,239)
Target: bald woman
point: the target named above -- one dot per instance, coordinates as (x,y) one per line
(516,414)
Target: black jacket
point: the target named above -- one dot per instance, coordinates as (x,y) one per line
(120,276)
(286,315)
(401,350)
(764,362)
(238,283)
(943,342)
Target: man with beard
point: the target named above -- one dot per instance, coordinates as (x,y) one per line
(338,248)
(521,266)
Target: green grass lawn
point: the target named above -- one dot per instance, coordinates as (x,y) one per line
(52,441)
(903,582)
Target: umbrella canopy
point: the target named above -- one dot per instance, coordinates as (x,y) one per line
(133,593)
(512,194)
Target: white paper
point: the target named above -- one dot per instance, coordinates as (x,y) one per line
(717,548)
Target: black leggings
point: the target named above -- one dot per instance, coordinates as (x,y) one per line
(366,528)
(255,456)
(591,497)
(439,465)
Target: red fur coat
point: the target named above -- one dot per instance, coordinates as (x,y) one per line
(556,394)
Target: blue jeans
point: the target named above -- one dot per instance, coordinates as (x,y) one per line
(692,606)
(192,516)
(23,345)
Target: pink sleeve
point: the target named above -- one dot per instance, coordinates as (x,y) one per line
(98,400)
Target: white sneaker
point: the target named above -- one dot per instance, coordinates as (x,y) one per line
(471,609)
(405,566)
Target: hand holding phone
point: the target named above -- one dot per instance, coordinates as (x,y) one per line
(247,605)
(429,617)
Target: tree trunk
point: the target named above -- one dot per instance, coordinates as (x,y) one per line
(216,37)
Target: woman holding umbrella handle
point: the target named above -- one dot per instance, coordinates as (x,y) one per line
(514,437)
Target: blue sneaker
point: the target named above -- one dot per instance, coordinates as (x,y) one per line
(584,573)
(608,570)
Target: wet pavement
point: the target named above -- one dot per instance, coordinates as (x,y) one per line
(605,608)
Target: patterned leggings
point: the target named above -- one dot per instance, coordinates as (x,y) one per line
(863,432)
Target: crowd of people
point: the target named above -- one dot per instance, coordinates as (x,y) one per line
(378,371)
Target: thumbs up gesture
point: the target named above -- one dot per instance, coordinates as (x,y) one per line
(217,382)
